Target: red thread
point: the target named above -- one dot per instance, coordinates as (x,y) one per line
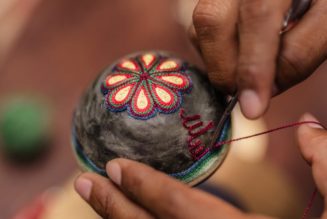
(193,143)
(196,147)
(309,205)
(188,118)
(218,144)
(195,128)
(144,76)
(202,131)
(314,193)
(202,151)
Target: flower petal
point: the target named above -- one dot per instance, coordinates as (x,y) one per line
(166,99)
(129,65)
(142,106)
(174,80)
(148,60)
(117,79)
(168,65)
(119,97)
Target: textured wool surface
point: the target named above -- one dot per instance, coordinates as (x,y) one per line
(160,141)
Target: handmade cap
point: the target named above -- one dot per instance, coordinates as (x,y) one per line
(153,108)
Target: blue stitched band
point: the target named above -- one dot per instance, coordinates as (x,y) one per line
(195,165)
(85,160)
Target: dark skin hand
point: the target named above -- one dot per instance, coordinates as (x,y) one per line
(138,191)
(242,47)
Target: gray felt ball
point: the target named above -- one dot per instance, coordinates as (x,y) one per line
(153,108)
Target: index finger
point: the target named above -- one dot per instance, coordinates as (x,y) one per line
(259,39)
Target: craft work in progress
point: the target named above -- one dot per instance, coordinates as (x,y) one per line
(153,108)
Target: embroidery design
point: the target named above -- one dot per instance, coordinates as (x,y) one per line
(145,85)
(195,128)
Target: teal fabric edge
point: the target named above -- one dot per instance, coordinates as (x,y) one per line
(214,157)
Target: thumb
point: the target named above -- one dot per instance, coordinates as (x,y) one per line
(106,199)
(312,138)
(313,145)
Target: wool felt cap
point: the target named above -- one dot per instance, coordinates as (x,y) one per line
(154,108)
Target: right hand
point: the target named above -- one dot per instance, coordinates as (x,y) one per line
(138,191)
(241,45)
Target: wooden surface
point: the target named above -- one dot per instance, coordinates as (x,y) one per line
(65,45)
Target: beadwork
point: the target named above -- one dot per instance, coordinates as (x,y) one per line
(146,84)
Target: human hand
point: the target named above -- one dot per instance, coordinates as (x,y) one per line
(243,50)
(313,145)
(138,191)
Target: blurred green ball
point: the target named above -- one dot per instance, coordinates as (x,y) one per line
(24,128)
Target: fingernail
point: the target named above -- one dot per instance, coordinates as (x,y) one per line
(310,118)
(114,172)
(250,104)
(83,187)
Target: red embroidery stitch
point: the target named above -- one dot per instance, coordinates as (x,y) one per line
(195,128)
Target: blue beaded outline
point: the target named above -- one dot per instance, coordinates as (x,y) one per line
(127,106)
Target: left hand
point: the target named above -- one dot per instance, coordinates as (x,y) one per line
(138,191)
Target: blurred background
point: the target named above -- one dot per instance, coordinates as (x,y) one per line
(51,50)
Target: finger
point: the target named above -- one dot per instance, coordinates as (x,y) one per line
(193,37)
(106,199)
(164,196)
(259,28)
(312,138)
(313,145)
(215,26)
(304,48)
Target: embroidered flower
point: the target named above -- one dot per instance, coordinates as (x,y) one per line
(145,85)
